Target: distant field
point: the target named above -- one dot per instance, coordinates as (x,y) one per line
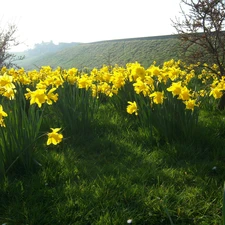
(144,50)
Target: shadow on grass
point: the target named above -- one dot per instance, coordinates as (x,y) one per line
(114,174)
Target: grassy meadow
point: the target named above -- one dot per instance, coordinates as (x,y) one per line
(114,145)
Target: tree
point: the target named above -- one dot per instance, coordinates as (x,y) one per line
(202,34)
(7,41)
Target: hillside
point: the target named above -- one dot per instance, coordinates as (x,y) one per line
(144,50)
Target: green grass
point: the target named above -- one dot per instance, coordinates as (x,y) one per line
(117,173)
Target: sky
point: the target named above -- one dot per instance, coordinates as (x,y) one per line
(87,20)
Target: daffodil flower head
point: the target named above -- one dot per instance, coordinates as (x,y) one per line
(132,108)
(158,97)
(216,92)
(175,88)
(51,96)
(54,137)
(190,104)
(141,87)
(38,96)
(2,114)
(184,94)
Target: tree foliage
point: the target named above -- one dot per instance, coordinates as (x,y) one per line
(201,31)
(7,41)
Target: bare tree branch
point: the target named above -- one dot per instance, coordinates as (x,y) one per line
(201,31)
(7,41)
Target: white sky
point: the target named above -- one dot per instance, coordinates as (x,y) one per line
(88,20)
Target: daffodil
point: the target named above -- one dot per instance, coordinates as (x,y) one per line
(7,88)
(190,104)
(51,96)
(175,88)
(140,86)
(184,94)
(216,92)
(2,115)
(54,137)
(118,80)
(174,73)
(136,70)
(9,93)
(132,108)
(6,81)
(38,96)
(153,70)
(105,88)
(84,82)
(157,97)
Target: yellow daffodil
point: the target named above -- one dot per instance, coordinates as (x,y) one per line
(38,96)
(54,137)
(190,104)
(174,73)
(157,97)
(2,115)
(136,70)
(51,96)
(141,87)
(175,88)
(153,70)
(216,92)
(6,81)
(118,80)
(84,81)
(184,94)
(105,88)
(132,108)
(9,93)
(7,87)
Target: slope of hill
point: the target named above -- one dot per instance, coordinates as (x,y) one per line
(40,50)
(144,50)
